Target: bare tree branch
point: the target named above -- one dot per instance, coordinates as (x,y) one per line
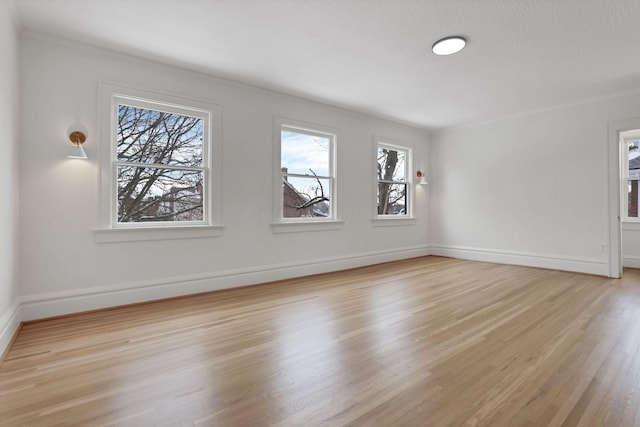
(311,201)
(156,137)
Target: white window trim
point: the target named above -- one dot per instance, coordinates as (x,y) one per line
(113,235)
(292,225)
(109,230)
(624,179)
(393,220)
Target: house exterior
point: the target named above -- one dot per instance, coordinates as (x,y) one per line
(292,198)
(178,204)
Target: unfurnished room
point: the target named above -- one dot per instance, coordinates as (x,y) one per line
(320,213)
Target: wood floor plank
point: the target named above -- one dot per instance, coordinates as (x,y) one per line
(429,341)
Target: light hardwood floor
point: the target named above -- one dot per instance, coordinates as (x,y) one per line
(423,342)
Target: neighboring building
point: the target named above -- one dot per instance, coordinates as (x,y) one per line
(183,204)
(291,199)
(179,204)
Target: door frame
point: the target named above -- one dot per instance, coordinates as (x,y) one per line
(615,225)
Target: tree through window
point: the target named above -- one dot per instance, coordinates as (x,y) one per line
(161,163)
(392,173)
(306,168)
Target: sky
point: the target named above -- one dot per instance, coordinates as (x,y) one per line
(300,152)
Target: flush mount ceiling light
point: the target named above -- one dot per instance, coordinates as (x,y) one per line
(449,45)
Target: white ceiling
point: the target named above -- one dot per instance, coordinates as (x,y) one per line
(375,56)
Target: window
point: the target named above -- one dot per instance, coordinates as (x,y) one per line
(393,184)
(306,177)
(160,162)
(630,152)
(157,167)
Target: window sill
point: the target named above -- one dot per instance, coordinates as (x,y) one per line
(393,221)
(113,235)
(304,226)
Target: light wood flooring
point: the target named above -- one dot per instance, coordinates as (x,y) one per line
(423,342)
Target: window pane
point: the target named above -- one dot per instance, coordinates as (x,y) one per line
(149,136)
(304,154)
(391,165)
(633,199)
(392,199)
(305,197)
(634,159)
(155,194)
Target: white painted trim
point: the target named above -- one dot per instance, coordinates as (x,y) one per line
(392,220)
(44,305)
(554,262)
(378,142)
(334,135)
(631,261)
(306,226)
(9,324)
(613,212)
(108,95)
(112,235)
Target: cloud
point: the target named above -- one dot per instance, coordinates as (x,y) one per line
(301,152)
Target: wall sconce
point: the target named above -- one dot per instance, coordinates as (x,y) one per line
(422,176)
(76,151)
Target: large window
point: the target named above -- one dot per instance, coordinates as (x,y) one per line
(157,168)
(161,162)
(630,153)
(393,184)
(307,178)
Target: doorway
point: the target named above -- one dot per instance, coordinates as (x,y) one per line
(622,135)
(630,198)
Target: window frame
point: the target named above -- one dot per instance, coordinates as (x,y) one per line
(280,223)
(624,179)
(111,96)
(397,219)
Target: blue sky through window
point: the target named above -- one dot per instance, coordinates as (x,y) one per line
(302,153)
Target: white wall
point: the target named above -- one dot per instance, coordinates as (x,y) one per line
(62,267)
(528,190)
(9,107)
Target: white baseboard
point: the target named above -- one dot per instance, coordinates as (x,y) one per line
(39,306)
(631,261)
(553,262)
(9,324)
(45,305)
